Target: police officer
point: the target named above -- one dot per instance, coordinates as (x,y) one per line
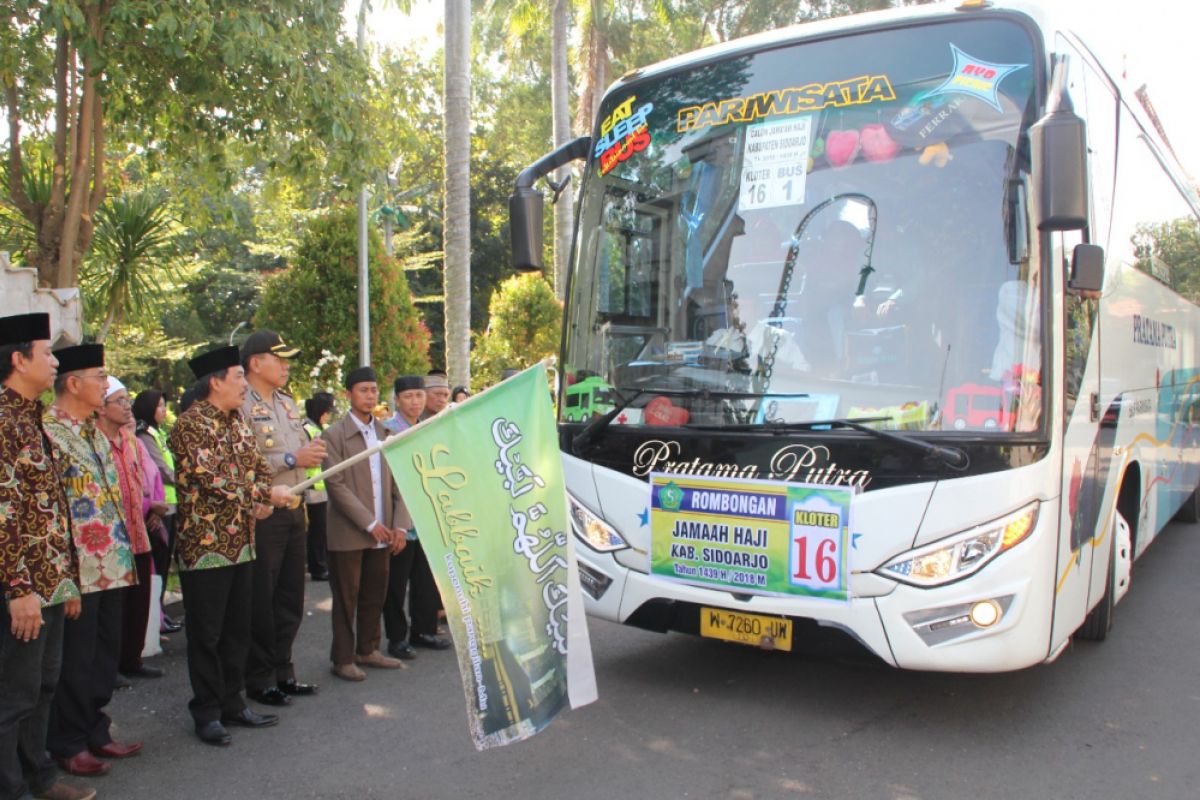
(281,537)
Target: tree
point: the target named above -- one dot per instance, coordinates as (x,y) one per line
(174,79)
(456,217)
(314,303)
(133,261)
(524,327)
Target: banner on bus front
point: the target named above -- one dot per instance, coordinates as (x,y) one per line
(757,537)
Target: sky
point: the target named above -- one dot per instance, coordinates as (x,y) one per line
(1147,40)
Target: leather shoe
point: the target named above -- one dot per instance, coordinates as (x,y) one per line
(213,733)
(348,672)
(320,576)
(65,791)
(379,661)
(83,763)
(298,689)
(401,650)
(431,641)
(117,750)
(144,671)
(249,718)
(272,696)
(122,682)
(170,625)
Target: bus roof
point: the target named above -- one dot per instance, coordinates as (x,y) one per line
(1045,19)
(819,29)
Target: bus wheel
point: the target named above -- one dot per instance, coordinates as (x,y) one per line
(1190,510)
(1098,622)
(1122,557)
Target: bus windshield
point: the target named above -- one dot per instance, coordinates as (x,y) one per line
(831,229)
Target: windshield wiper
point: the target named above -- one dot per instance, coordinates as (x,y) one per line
(950,456)
(597,425)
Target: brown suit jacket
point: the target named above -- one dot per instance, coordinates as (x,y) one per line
(351,496)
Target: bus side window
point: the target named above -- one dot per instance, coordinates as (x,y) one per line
(1154,228)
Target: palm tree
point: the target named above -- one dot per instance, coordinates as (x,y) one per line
(560,105)
(134,252)
(456,241)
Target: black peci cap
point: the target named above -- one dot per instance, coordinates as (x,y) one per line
(22,328)
(79,356)
(361,375)
(215,361)
(409,382)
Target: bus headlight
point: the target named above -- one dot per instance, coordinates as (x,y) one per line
(593,531)
(962,554)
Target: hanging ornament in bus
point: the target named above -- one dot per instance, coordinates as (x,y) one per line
(877,145)
(841,147)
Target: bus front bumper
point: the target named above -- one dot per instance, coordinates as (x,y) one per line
(936,629)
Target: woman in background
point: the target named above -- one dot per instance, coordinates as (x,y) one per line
(149,413)
(318,410)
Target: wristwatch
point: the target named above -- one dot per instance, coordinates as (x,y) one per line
(289,460)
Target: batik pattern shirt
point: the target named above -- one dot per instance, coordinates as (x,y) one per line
(132,483)
(89,475)
(36,554)
(219,477)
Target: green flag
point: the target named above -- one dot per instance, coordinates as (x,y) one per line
(483,482)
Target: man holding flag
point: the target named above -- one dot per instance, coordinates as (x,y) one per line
(366,521)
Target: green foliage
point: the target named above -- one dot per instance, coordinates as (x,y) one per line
(525,327)
(1171,251)
(133,262)
(314,303)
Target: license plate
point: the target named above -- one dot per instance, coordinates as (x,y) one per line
(751,629)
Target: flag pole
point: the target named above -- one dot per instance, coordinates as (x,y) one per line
(299,488)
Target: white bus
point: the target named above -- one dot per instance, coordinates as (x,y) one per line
(894,319)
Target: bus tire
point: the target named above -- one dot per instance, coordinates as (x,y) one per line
(1099,621)
(1190,510)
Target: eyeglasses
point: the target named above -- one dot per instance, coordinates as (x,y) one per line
(103,376)
(120,401)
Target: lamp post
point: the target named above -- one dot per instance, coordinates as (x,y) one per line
(233,333)
(364,294)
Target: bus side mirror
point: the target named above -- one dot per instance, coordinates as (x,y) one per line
(1087,269)
(525,205)
(1058,147)
(525,208)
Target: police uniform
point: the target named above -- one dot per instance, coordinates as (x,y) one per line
(280,539)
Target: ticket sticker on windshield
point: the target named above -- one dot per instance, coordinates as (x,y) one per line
(775,163)
(751,536)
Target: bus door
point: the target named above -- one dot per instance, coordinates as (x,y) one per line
(1089,427)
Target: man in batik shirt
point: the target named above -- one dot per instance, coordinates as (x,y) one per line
(222,485)
(38,567)
(79,728)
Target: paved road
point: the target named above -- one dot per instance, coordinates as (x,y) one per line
(681,717)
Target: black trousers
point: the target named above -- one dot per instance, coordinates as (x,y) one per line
(317,562)
(278,605)
(164,551)
(28,674)
(409,575)
(91,648)
(135,615)
(217,607)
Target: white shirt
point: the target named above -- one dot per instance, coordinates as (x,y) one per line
(376,461)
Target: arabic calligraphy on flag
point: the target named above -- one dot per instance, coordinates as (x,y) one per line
(483,482)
